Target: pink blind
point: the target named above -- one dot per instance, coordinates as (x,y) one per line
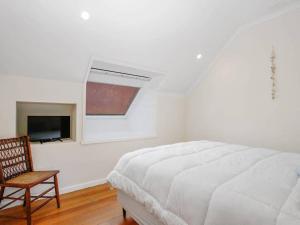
(109,99)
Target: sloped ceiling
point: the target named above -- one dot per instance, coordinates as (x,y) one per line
(48,39)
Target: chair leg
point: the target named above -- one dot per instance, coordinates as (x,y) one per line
(28,206)
(124,213)
(24,202)
(1,193)
(56,192)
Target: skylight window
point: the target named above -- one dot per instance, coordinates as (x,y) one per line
(104,99)
(120,102)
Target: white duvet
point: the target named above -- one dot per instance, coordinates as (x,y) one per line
(213,183)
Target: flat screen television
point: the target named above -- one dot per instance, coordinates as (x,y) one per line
(48,128)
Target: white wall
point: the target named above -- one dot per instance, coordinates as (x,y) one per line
(81,165)
(233,102)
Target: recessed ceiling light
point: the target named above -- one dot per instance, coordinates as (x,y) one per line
(199,56)
(85,15)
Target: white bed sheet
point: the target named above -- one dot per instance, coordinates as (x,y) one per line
(212,183)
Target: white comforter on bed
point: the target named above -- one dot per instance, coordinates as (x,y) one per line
(213,183)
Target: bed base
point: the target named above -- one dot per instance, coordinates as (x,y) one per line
(136,210)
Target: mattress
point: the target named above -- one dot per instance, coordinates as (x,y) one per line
(212,183)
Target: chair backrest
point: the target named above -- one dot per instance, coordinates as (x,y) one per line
(15,158)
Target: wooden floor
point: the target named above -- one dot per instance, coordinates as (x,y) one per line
(92,206)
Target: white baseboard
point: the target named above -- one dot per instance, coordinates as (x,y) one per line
(77,187)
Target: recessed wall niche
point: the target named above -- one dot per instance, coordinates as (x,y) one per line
(30,111)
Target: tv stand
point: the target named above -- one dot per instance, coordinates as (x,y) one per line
(50,140)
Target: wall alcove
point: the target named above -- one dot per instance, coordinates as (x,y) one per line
(25,110)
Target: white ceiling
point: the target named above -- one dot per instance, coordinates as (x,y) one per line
(48,38)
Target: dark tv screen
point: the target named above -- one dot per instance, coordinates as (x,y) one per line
(48,127)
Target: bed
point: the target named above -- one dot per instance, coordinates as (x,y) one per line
(209,183)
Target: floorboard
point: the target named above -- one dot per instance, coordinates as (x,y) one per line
(92,206)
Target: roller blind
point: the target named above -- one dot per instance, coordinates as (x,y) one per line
(109,99)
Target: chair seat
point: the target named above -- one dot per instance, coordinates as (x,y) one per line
(31,178)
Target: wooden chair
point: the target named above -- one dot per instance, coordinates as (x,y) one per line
(16,171)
